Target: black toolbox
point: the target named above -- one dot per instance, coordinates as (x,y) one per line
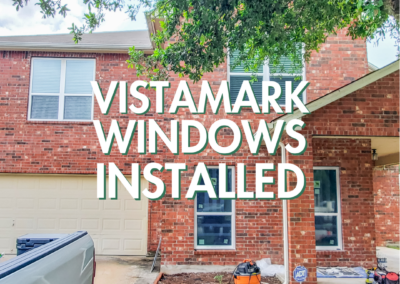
(31,241)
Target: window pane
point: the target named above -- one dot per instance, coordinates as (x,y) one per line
(44,107)
(214,231)
(78,75)
(77,107)
(286,65)
(240,68)
(236,83)
(325,191)
(206,204)
(326,233)
(281,81)
(46,76)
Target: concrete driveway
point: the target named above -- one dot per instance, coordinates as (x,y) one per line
(125,270)
(393,257)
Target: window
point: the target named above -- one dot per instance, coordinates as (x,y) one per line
(60,89)
(215,218)
(265,73)
(328,224)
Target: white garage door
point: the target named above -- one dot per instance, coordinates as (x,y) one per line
(64,204)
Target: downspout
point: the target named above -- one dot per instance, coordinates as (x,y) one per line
(285,225)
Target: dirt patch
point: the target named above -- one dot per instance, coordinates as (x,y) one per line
(207,278)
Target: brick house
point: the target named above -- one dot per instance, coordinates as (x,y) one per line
(49,152)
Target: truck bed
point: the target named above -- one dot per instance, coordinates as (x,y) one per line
(67,260)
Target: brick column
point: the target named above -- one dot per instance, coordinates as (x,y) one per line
(301,227)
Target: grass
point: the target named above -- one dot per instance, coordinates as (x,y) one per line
(394,247)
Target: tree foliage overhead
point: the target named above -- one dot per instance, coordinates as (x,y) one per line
(199,33)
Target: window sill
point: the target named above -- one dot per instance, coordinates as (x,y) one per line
(215,252)
(59,122)
(324,250)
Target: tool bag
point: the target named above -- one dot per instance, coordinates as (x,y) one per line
(381,277)
(392,278)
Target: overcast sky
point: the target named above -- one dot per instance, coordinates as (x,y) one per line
(28,21)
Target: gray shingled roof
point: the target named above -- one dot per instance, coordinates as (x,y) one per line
(113,42)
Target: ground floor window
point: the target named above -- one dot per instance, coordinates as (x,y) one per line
(328,224)
(215,218)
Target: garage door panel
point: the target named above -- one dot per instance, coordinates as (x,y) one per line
(60,204)
(6,243)
(90,204)
(132,244)
(70,184)
(133,225)
(134,205)
(47,224)
(6,223)
(111,225)
(91,224)
(25,223)
(25,203)
(69,203)
(112,205)
(46,184)
(6,203)
(89,184)
(47,203)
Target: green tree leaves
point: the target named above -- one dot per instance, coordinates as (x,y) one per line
(196,35)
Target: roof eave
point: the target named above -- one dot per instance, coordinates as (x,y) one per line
(151,28)
(18,46)
(153,24)
(341,92)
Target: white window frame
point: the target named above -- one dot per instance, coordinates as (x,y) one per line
(338,214)
(232,214)
(61,95)
(266,74)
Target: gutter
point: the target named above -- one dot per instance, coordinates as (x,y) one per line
(285,225)
(92,48)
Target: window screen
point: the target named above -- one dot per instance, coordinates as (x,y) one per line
(281,73)
(61,89)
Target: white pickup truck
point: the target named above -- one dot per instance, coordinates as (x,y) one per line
(68,260)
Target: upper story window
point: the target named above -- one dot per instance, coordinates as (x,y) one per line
(265,73)
(60,89)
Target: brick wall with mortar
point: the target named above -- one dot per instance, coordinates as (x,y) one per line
(70,148)
(370,111)
(387,204)
(340,61)
(353,158)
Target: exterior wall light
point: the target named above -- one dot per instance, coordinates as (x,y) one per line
(374,155)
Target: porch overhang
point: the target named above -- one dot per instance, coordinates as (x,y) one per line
(387,148)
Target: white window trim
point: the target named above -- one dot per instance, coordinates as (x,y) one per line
(232,214)
(266,75)
(338,214)
(61,94)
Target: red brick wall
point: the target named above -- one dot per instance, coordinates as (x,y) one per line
(386,192)
(340,61)
(67,147)
(301,226)
(369,111)
(353,158)
(70,148)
